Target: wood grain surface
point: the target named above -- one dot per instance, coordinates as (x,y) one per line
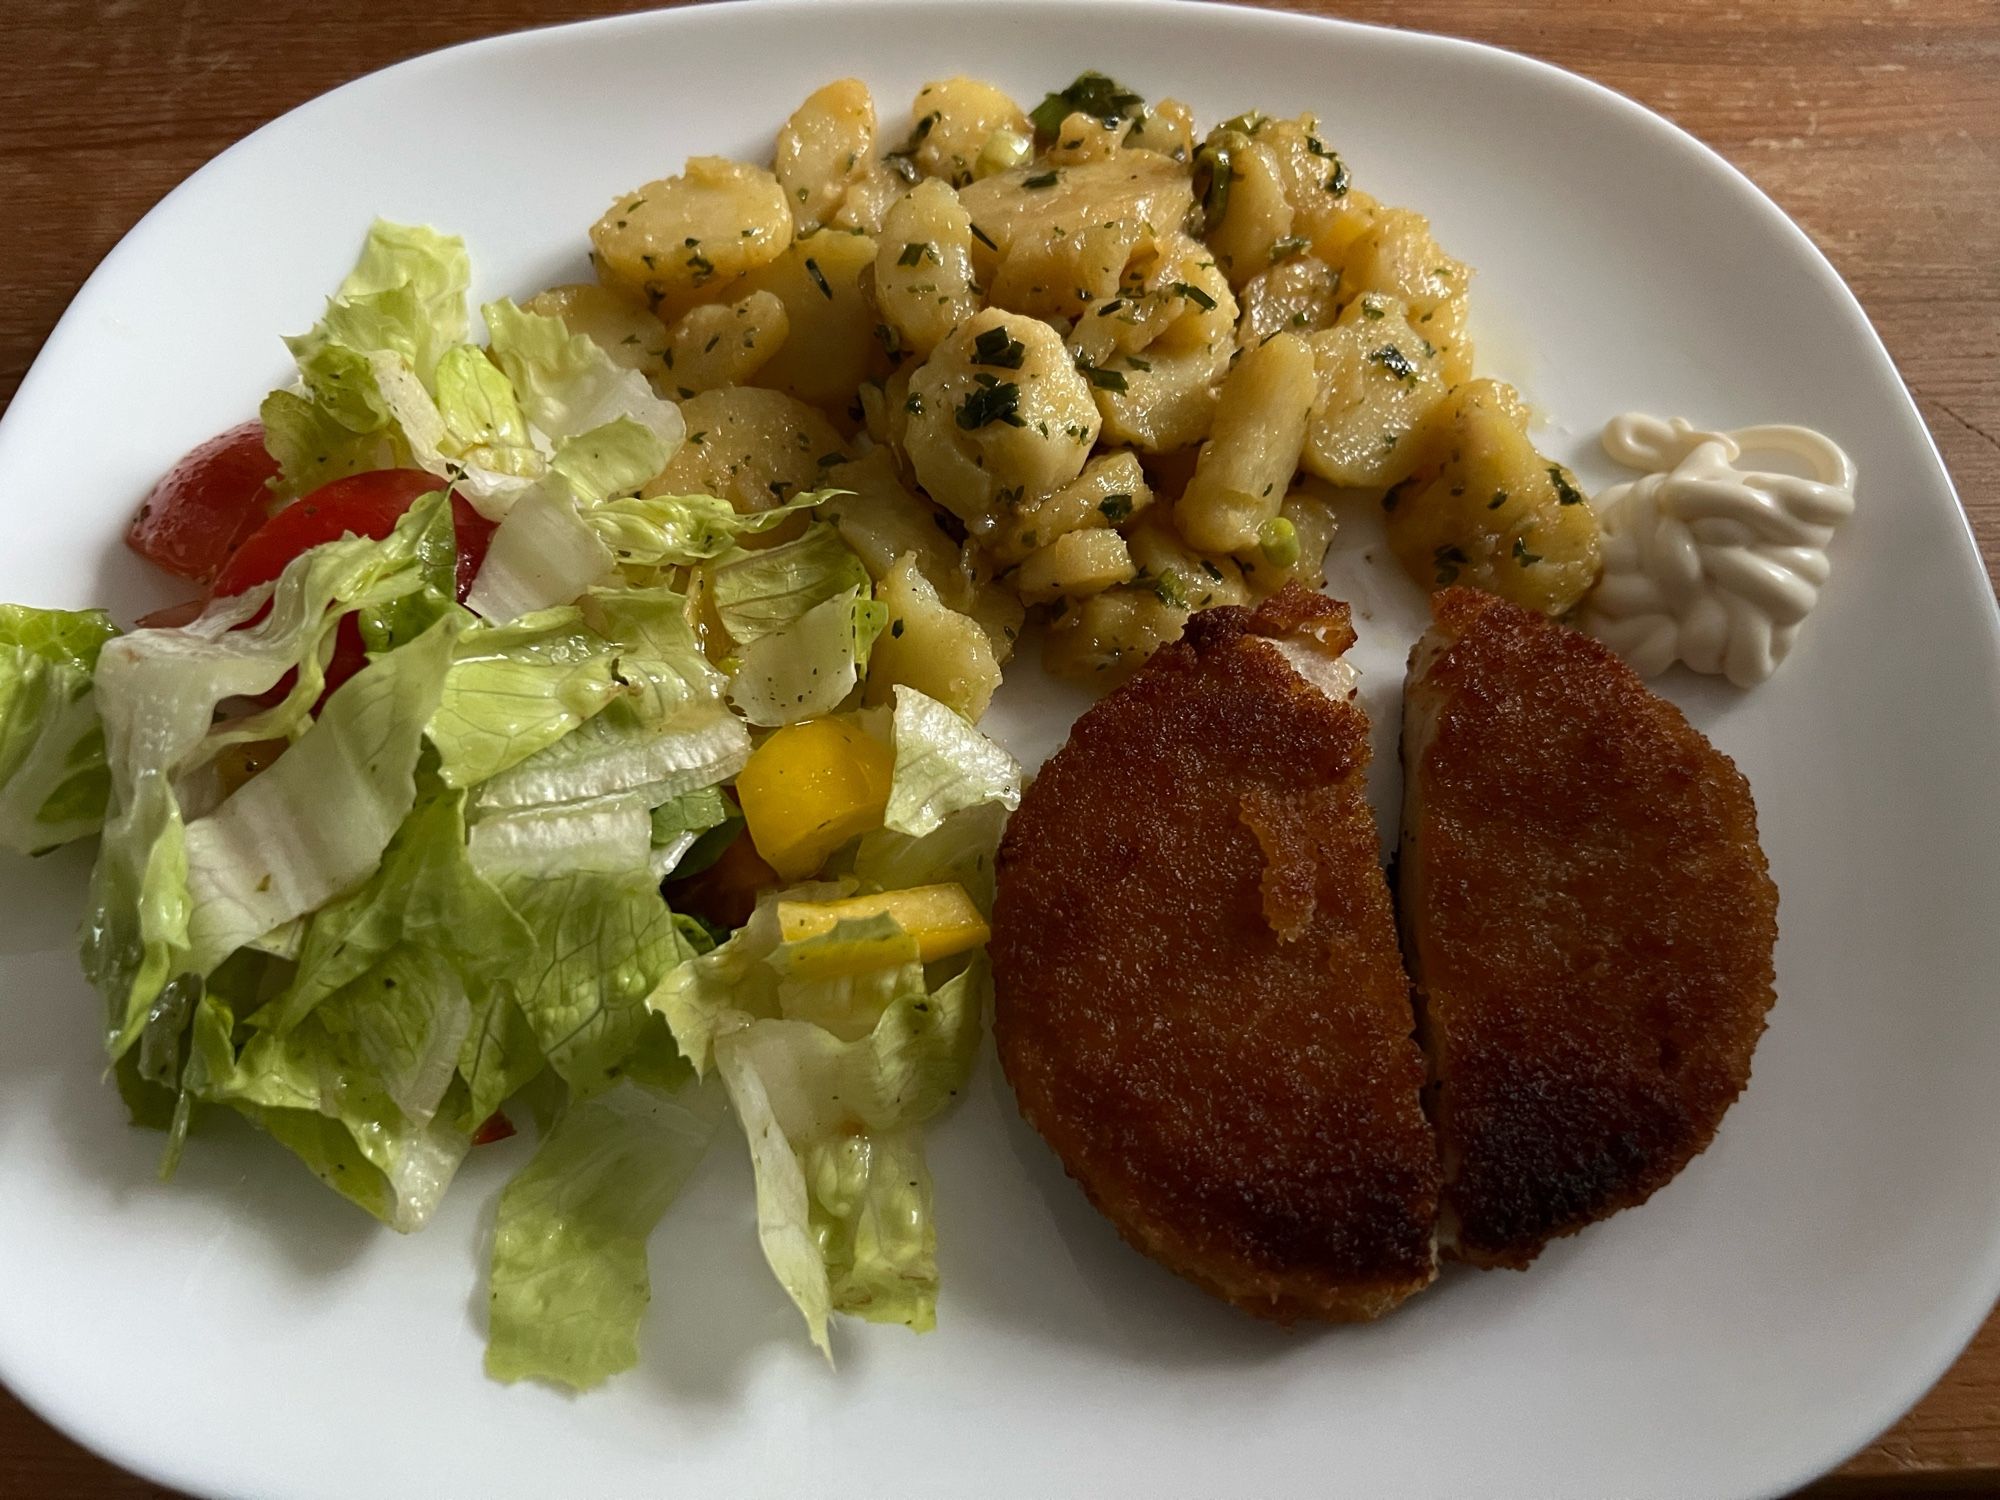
(1875,123)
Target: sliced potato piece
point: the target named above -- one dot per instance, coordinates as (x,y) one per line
(1378,384)
(683,239)
(830,339)
(954,118)
(1297,295)
(924,281)
(1102,640)
(932,648)
(823,149)
(1075,565)
(1496,514)
(1111,490)
(755,448)
(722,343)
(1246,466)
(998,413)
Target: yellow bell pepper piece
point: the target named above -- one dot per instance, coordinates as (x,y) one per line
(941,918)
(810,788)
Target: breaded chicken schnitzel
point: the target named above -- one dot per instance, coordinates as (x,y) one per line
(1198,995)
(1588,918)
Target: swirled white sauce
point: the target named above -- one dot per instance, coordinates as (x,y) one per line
(1707,563)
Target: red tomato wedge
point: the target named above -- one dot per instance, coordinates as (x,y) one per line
(206,505)
(367,505)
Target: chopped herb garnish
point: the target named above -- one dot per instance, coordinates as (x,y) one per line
(1137,363)
(697,438)
(895,630)
(1448,560)
(1522,555)
(1103,379)
(1566,493)
(1394,495)
(999,348)
(1211,570)
(1499,499)
(1195,295)
(1041,180)
(1110,307)
(828,460)
(1115,508)
(1396,362)
(1091,94)
(702,267)
(1213,172)
(819,278)
(1338,184)
(913,254)
(1371,309)
(914,406)
(981,235)
(1286,248)
(993,401)
(1169,589)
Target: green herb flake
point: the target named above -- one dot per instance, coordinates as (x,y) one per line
(1042,179)
(1195,295)
(914,253)
(1499,499)
(1522,555)
(999,348)
(1286,248)
(1115,508)
(1396,362)
(1448,559)
(819,278)
(1091,93)
(1566,493)
(1103,379)
(993,401)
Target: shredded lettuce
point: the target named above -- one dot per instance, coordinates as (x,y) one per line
(681,530)
(425,895)
(760,593)
(843,1202)
(405,301)
(943,765)
(542,555)
(569,1280)
(807,668)
(602,943)
(315,824)
(518,688)
(157,692)
(53,780)
(569,386)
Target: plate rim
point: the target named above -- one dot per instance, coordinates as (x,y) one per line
(1977,1290)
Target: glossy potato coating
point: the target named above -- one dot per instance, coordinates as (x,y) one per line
(1589,921)
(1198,998)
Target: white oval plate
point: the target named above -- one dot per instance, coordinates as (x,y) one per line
(242,1332)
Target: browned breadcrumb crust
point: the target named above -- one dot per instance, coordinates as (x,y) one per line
(1590,922)
(1198,995)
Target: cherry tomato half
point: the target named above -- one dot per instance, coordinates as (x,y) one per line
(367,505)
(206,505)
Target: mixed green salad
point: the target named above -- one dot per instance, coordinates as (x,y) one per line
(404,829)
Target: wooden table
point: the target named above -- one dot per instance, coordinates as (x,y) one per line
(1876,123)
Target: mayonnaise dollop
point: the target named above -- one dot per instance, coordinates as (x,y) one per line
(1707,563)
